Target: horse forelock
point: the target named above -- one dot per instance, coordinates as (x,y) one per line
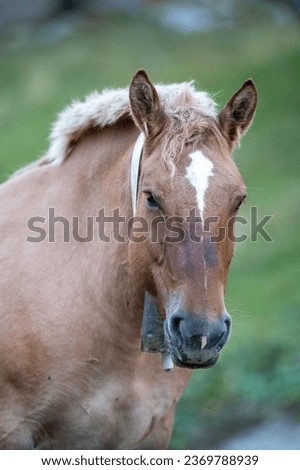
(188,126)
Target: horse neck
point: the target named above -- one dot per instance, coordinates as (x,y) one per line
(100,167)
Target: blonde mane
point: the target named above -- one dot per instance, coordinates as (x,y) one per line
(107,108)
(181,102)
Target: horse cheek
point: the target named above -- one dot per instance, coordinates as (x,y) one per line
(139,266)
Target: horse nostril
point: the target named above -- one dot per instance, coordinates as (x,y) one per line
(227,324)
(174,323)
(220,335)
(215,339)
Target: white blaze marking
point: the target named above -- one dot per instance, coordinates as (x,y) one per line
(198,173)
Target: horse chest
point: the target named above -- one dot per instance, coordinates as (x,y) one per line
(121,414)
(126,419)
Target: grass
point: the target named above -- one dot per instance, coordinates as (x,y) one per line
(258,373)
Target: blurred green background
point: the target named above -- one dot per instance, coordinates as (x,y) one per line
(47,63)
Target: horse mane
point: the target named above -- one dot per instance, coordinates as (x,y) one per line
(99,110)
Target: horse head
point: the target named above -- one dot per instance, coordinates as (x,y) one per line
(189,191)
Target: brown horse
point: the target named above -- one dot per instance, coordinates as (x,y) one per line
(78,273)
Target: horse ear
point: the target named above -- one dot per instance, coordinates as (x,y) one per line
(236,118)
(145,105)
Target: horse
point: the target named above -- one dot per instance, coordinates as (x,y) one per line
(108,263)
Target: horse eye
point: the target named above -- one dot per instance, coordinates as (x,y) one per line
(240,203)
(151,202)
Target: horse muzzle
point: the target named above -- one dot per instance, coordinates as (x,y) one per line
(194,341)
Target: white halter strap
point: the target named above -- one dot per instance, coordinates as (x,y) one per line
(134,168)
